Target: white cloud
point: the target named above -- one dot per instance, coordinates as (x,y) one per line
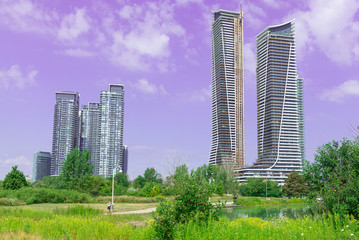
(331,27)
(339,93)
(26,16)
(254,15)
(19,160)
(250,60)
(78,52)
(14,76)
(185,2)
(201,95)
(145,86)
(73,25)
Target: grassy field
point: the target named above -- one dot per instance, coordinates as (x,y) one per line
(80,221)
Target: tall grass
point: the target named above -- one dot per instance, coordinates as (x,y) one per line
(253,201)
(129,199)
(80,222)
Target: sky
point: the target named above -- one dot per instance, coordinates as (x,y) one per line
(161,51)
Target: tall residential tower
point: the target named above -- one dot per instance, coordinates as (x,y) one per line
(280,114)
(89,130)
(65,131)
(227,89)
(110,148)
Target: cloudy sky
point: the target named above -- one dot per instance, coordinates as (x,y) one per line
(161,51)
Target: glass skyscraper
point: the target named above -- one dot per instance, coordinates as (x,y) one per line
(110,149)
(89,130)
(65,130)
(227,89)
(41,165)
(280,114)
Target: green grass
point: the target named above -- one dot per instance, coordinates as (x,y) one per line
(84,222)
(254,201)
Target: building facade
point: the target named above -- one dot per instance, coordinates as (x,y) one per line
(89,132)
(41,165)
(227,89)
(280,113)
(125,159)
(65,130)
(110,147)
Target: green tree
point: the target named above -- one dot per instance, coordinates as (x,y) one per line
(256,187)
(77,169)
(191,202)
(98,185)
(334,176)
(295,185)
(15,179)
(121,184)
(151,175)
(139,182)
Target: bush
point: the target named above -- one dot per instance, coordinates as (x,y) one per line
(191,202)
(44,195)
(11,202)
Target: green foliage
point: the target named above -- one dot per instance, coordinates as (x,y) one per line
(256,187)
(77,169)
(97,185)
(15,179)
(78,210)
(44,195)
(334,176)
(139,182)
(121,184)
(10,202)
(295,185)
(151,175)
(191,201)
(254,201)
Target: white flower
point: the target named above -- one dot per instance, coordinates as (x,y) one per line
(347,226)
(342,230)
(310,227)
(302,234)
(352,234)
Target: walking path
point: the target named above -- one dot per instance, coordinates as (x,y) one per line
(149,210)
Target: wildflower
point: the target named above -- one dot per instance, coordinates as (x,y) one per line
(310,227)
(302,234)
(342,230)
(352,234)
(347,226)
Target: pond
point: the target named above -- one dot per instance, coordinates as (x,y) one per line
(266,212)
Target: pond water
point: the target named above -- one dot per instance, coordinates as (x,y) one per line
(266,212)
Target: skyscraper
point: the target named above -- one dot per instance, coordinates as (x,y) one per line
(65,131)
(227,89)
(41,165)
(89,130)
(280,114)
(125,159)
(111,129)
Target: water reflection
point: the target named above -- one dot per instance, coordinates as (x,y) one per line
(266,212)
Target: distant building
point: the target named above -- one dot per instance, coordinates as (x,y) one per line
(89,130)
(110,149)
(65,130)
(227,89)
(280,114)
(41,165)
(125,159)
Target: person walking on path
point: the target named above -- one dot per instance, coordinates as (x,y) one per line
(109,206)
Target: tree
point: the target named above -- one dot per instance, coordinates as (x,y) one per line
(77,169)
(121,183)
(334,176)
(151,175)
(256,187)
(295,185)
(139,182)
(15,179)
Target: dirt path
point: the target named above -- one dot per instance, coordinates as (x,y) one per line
(149,210)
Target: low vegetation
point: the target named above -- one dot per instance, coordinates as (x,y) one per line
(256,201)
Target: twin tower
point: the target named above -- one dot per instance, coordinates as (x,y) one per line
(280,116)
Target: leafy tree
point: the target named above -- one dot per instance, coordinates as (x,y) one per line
(77,169)
(15,179)
(98,185)
(191,202)
(295,185)
(334,176)
(256,187)
(139,182)
(121,184)
(151,175)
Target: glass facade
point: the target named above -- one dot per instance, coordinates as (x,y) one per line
(110,146)
(280,113)
(41,165)
(227,89)
(65,130)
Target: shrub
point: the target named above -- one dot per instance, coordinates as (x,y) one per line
(11,202)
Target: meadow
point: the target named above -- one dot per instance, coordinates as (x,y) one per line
(79,221)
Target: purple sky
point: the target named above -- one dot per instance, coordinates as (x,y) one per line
(161,51)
